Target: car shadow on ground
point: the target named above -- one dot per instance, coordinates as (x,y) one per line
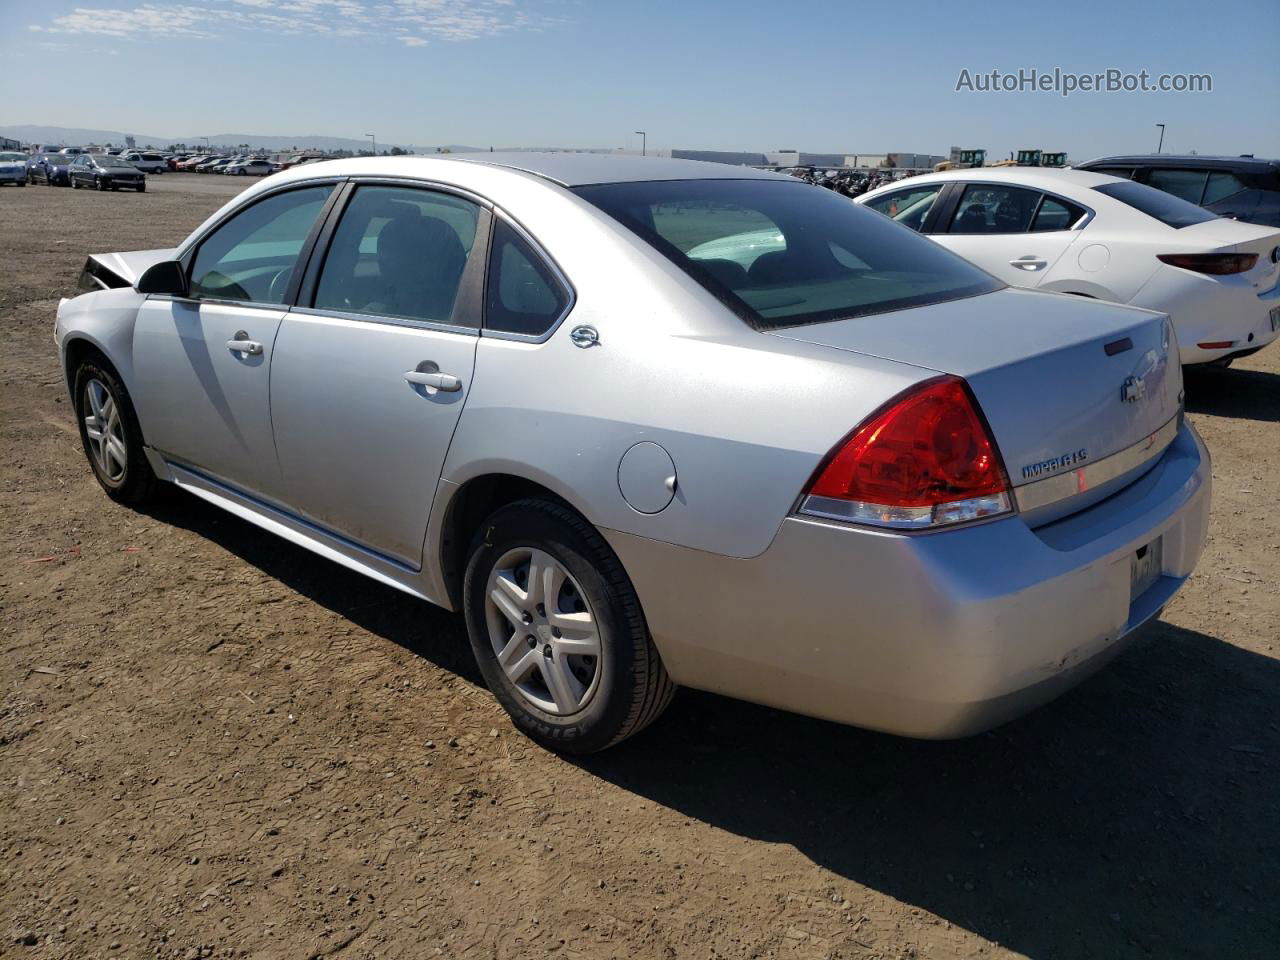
(1137,816)
(1235,393)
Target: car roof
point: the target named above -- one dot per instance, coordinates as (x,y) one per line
(1041,178)
(1187,160)
(582,169)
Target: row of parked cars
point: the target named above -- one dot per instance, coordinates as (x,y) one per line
(830,456)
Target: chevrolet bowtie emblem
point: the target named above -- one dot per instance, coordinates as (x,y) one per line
(1133,390)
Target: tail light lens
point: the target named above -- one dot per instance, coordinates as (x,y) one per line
(1216,264)
(924,460)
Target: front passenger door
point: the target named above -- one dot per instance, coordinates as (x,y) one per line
(372,368)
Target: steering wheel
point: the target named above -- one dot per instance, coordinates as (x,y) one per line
(279,284)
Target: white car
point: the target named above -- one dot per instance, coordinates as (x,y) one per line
(253,167)
(1099,236)
(146,162)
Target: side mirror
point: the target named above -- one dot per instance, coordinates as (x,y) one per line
(165,277)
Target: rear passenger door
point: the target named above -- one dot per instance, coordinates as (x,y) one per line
(1014,233)
(374,364)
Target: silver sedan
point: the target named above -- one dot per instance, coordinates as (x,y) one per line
(650,422)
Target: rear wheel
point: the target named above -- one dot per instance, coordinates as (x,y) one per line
(110,434)
(100,184)
(557,630)
(142,188)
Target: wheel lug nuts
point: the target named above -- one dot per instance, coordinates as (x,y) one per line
(555,632)
(532,642)
(546,651)
(527,617)
(542,610)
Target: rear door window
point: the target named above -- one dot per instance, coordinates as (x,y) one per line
(398,252)
(1222,184)
(988,208)
(1188,185)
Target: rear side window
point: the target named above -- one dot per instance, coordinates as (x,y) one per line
(1168,209)
(1055,214)
(1123,172)
(522,295)
(398,252)
(781,253)
(1221,185)
(908,207)
(252,256)
(994,209)
(1186,184)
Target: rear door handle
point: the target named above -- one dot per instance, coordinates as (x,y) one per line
(1029,262)
(242,344)
(440,381)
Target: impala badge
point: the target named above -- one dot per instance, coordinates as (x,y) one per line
(1133,390)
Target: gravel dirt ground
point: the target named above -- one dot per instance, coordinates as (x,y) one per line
(215,744)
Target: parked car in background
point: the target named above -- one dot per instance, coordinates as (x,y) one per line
(1085,233)
(72,151)
(213,164)
(858,423)
(13,168)
(191,162)
(146,162)
(1242,188)
(103,172)
(253,167)
(53,169)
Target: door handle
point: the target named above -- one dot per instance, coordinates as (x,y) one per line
(241,343)
(1029,262)
(440,381)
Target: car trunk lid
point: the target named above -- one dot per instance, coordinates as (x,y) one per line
(1063,382)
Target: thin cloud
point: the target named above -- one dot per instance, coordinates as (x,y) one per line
(415,23)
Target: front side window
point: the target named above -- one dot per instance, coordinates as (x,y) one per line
(398,252)
(522,295)
(252,256)
(831,260)
(908,207)
(985,208)
(1186,184)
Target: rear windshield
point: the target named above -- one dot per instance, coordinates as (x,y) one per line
(783,253)
(1170,210)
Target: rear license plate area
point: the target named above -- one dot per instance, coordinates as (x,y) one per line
(1144,569)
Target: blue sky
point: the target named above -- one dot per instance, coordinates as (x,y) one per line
(856,77)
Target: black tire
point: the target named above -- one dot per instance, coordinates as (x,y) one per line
(631,686)
(75,184)
(142,188)
(100,184)
(138,482)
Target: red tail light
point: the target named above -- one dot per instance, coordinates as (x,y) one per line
(925,459)
(1217,264)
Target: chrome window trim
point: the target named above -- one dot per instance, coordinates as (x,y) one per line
(1080,224)
(408,322)
(550,261)
(1064,486)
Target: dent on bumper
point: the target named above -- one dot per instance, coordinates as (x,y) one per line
(935,635)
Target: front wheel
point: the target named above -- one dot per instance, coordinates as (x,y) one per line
(558,632)
(110,434)
(75,184)
(100,184)
(142,188)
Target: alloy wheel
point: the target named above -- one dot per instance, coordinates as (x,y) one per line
(543,632)
(104,429)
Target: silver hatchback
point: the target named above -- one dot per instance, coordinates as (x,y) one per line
(652,422)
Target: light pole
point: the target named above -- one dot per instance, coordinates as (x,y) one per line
(643,143)
(206,142)
(375,143)
(1161,146)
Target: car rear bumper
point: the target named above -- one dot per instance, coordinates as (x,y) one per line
(934,635)
(1220,310)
